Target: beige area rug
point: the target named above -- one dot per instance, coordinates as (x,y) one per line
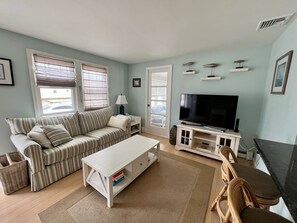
(174,190)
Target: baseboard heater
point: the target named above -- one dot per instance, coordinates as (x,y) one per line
(248,155)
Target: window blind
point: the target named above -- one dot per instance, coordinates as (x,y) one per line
(95,87)
(54,72)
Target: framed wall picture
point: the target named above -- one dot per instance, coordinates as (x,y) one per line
(281,73)
(136,82)
(6,77)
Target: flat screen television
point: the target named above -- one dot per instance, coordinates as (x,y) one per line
(209,110)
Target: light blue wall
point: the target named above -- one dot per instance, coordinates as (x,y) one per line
(16,101)
(248,85)
(279,115)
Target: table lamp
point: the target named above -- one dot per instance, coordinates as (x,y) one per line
(122,101)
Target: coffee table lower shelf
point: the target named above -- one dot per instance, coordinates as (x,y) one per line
(103,182)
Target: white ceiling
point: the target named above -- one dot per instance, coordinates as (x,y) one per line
(133,31)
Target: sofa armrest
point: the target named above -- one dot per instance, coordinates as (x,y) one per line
(30,150)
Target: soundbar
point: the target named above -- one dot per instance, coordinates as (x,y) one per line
(195,124)
(205,126)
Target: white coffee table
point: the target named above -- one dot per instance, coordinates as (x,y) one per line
(133,155)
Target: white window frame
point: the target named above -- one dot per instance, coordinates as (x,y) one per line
(76,91)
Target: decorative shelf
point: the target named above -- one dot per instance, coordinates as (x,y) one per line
(189,72)
(239,69)
(211,78)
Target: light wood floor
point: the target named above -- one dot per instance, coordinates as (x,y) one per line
(24,205)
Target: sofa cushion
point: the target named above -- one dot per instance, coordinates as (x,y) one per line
(70,122)
(57,134)
(93,120)
(20,125)
(78,145)
(107,134)
(261,215)
(37,135)
(50,120)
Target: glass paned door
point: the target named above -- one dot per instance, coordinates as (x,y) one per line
(158,99)
(158,107)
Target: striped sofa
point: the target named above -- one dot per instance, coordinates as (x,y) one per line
(89,132)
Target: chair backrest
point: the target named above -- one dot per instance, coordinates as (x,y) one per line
(227,152)
(240,196)
(227,170)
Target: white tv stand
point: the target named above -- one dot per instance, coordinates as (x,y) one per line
(205,141)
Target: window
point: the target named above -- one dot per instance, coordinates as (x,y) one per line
(56,100)
(95,87)
(56,82)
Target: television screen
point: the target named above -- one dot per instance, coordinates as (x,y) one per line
(209,110)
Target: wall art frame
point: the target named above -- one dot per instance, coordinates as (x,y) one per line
(136,82)
(6,75)
(281,73)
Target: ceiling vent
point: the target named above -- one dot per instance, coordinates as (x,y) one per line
(274,22)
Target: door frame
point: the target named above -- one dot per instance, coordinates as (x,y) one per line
(168,104)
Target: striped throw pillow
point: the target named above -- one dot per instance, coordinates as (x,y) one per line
(57,134)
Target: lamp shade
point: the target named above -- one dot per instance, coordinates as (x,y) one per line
(121,100)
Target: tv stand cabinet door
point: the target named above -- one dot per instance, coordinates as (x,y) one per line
(223,140)
(184,137)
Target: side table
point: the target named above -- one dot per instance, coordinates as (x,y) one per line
(135,124)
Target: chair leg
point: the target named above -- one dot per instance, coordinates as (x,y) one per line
(228,216)
(218,198)
(224,217)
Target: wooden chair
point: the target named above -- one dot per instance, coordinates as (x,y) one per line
(266,192)
(244,206)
